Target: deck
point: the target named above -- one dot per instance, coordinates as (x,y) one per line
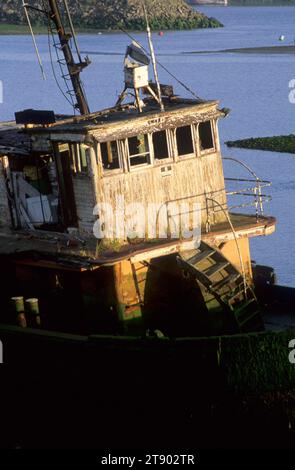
(74,252)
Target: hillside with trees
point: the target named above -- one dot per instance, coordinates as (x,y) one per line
(115,14)
(262,2)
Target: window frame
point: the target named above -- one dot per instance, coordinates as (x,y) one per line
(209,150)
(194,154)
(112,171)
(173,155)
(76,159)
(132,168)
(163,161)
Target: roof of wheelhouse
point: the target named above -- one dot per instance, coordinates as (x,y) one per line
(112,123)
(175,106)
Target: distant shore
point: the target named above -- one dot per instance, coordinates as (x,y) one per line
(252,50)
(264,50)
(280,143)
(19,30)
(15,29)
(194,20)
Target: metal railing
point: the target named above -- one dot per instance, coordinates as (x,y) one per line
(250,191)
(253,191)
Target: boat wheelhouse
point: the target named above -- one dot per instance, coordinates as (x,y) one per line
(63,181)
(122,217)
(125,248)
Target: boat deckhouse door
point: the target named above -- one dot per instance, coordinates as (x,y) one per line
(67,197)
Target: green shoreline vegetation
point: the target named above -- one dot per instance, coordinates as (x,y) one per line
(15,29)
(136,25)
(109,15)
(281,143)
(11,29)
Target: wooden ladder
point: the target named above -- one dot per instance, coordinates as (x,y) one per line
(222,282)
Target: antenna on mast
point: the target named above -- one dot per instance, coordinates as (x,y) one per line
(136,73)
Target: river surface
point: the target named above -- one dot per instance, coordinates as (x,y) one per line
(254,86)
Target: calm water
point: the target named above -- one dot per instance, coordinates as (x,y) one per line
(254,86)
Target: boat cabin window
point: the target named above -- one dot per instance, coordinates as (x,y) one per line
(34,190)
(79,158)
(206,136)
(184,141)
(160,145)
(139,151)
(110,155)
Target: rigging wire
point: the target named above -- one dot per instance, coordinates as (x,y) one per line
(157,61)
(70,92)
(69,100)
(74,37)
(51,33)
(72,30)
(25,6)
(153,56)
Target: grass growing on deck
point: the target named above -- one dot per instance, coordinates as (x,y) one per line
(281,143)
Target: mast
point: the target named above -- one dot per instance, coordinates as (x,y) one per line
(152,53)
(73,67)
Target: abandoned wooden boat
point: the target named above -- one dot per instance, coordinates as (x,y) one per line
(107,285)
